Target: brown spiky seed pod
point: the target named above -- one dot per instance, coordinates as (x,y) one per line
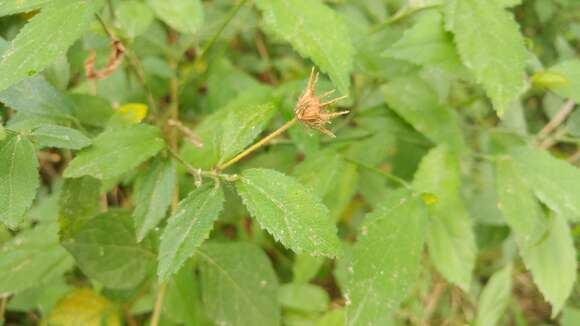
(309,109)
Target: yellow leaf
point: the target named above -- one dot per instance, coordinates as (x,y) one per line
(132,112)
(84,307)
(547,79)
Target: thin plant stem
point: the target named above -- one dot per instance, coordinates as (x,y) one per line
(257,145)
(158,304)
(233,12)
(388,176)
(402,14)
(564,111)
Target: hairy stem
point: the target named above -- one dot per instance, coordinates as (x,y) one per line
(257,145)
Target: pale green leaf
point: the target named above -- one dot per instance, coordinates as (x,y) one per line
(210,130)
(546,246)
(553,264)
(60,137)
(10,7)
(188,227)
(306,267)
(239,286)
(242,126)
(495,298)
(491,46)
(570,316)
(106,250)
(508,3)
(79,201)
(319,172)
(185,16)
(570,70)
(36,96)
(416,102)
(44,38)
(316,32)
(153,193)
(519,206)
(450,235)
(292,213)
(115,152)
(555,182)
(386,259)
(18,178)
(427,43)
(32,258)
(335,317)
(182,303)
(303,297)
(133,17)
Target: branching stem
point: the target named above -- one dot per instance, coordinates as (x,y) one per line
(257,145)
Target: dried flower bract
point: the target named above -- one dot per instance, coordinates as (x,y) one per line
(310,110)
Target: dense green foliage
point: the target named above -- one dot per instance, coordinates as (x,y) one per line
(155,168)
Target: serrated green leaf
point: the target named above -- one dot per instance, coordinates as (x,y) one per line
(115,152)
(18,178)
(495,298)
(60,137)
(316,32)
(303,297)
(185,16)
(555,182)
(37,97)
(239,286)
(570,70)
(242,126)
(416,102)
(106,250)
(188,227)
(553,264)
(427,43)
(44,38)
(10,7)
(289,211)
(386,259)
(491,46)
(546,246)
(153,193)
(79,202)
(518,205)
(210,130)
(133,17)
(32,258)
(450,236)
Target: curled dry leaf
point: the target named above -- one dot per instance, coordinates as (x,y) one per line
(309,109)
(115,59)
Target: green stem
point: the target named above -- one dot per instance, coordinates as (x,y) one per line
(257,145)
(223,26)
(388,176)
(402,14)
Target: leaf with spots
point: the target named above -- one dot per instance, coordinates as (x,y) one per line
(316,32)
(115,152)
(188,227)
(239,286)
(491,46)
(45,38)
(386,259)
(18,178)
(292,213)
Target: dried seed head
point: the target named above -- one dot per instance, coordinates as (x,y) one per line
(309,108)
